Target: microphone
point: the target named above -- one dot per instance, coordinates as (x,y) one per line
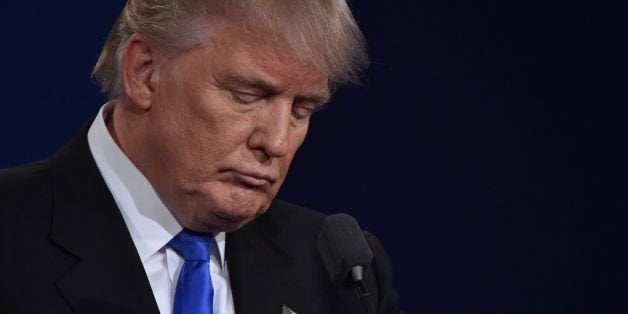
(346,255)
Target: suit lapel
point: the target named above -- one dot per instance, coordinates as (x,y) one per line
(263,276)
(108,276)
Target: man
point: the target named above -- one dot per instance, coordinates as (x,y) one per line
(209,102)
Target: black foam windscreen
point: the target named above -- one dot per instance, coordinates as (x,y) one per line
(342,246)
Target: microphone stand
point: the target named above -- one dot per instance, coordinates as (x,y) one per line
(357,274)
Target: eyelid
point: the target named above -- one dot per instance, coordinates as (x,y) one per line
(315,107)
(311,109)
(300,116)
(244,97)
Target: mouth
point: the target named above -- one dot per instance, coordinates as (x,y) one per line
(253,179)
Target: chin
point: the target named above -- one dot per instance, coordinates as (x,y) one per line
(229,216)
(221,220)
(229,225)
(225,207)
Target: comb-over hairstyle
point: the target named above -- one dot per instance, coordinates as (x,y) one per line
(322,32)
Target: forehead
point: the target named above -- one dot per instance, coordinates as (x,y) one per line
(254,55)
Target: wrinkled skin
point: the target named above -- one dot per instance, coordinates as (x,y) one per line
(214,128)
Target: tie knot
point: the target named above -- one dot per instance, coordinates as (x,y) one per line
(193,246)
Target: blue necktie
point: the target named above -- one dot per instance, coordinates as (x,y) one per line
(194,293)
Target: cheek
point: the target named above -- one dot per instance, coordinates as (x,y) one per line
(206,146)
(221,134)
(200,127)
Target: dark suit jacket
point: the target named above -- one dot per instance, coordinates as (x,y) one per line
(64,248)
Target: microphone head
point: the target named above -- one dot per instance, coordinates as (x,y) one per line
(342,246)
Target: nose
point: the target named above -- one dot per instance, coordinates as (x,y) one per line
(272,132)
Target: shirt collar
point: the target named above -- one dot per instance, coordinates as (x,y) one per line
(150,222)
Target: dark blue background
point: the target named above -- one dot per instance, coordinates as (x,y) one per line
(487,148)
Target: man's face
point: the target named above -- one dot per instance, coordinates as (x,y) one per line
(226,120)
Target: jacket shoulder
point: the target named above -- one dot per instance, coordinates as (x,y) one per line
(24,183)
(24,191)
(295,217)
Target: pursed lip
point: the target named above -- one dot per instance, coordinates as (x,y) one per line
(253,178)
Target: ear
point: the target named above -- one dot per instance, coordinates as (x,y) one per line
(138,71)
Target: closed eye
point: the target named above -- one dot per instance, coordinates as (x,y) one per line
(305,111)
(302,112)
(244,98)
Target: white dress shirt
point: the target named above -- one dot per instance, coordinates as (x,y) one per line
(150,222)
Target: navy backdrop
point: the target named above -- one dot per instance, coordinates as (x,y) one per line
(487,147)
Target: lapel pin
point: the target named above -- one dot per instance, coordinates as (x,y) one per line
(287,310)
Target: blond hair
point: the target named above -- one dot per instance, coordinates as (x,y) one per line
(323,32)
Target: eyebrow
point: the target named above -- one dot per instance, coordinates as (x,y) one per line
(319,97)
